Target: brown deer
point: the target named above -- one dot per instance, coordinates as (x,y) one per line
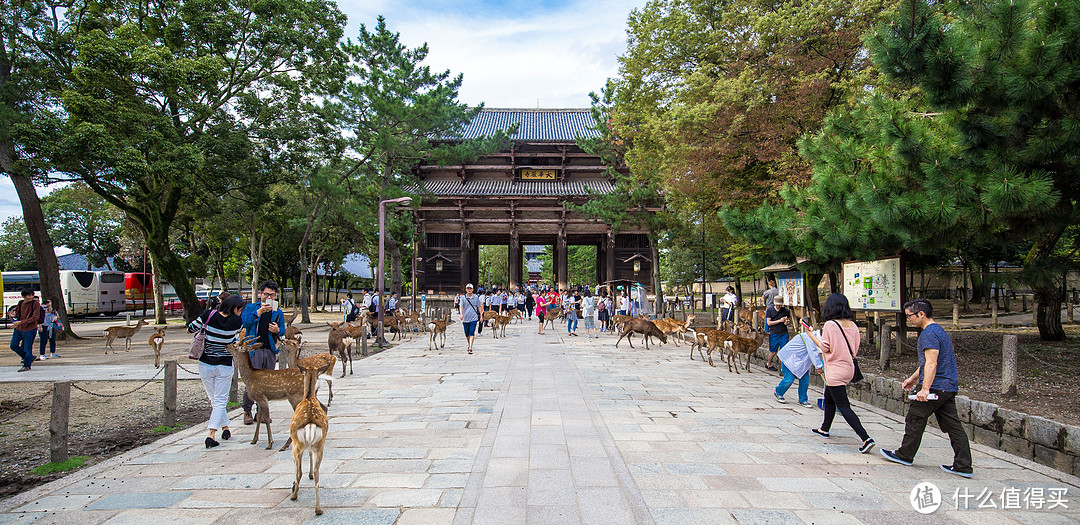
(641,326)
(743,345)
(291,359)
(340,341)
(437,327)
(156,341)
(674,327)
(293,333)
(307,432)
(710,339)
(498,323)
(112,332)
(266,385)
(291,317)
(552,314)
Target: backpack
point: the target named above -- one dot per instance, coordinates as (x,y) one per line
(354,311)
(41,315)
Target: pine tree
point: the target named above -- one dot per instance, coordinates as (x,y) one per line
(1004,74)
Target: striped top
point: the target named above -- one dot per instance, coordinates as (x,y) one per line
(221,330)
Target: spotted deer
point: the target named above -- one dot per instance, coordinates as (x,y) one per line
(307,432)
(437,327)
(290,358)
(264,385)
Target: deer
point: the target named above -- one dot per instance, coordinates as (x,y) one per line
(264,385)
(553,313)
(291,359)
(293,333)
(437,327)
(710,339)
(743,345)
(641,326)
(674,327)
(340,341)
(112,332)
(291,317)
(307,432)
(156,341)
(498,323)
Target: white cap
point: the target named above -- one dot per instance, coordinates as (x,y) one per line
(469,285)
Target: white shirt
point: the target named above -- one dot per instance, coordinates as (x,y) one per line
(730,300)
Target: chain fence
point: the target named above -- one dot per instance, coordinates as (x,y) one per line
(27,407)
(133,390)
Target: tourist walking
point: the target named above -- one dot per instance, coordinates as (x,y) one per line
(777,317)
(770,293)
(530,304)
(25,328)
(570,309)
(797,358)
(729,301)
(937,376)
(48,329)
(469,310)
(839,344)
(541,311)
(588,314)
(216,363)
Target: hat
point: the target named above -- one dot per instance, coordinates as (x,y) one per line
(469,285)
(779,299)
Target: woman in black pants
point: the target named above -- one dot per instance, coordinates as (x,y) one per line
(839,344)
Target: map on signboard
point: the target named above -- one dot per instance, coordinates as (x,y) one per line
(873,285)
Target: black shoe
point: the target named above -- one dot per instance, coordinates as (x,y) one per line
(225,434)
(949,468)
(891,456)
(866,446)
(772,368)
(820,432)
(210,443)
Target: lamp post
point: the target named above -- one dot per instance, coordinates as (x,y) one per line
(438,269)
(382,258)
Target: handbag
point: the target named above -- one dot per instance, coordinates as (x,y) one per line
(857,376)
(199,341)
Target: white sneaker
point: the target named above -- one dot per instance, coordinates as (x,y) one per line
(42,357)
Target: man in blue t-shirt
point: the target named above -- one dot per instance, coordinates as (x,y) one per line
(938,376)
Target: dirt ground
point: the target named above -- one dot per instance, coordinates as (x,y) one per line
(102,427)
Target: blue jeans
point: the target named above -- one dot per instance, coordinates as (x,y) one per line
(22,343)
(789,378)
(571,324)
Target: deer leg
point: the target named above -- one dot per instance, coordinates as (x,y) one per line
(350,365)
(318,454)
(298,457)
(288,443)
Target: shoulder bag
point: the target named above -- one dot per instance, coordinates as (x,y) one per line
(199,341)
(857,376)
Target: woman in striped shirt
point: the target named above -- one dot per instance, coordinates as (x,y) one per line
(216,363)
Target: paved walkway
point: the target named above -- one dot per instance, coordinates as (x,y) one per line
(549,429)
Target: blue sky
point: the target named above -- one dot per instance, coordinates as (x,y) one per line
(513,54)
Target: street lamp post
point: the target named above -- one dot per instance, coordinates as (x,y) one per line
(381,341)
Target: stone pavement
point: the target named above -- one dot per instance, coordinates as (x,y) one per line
(553,429)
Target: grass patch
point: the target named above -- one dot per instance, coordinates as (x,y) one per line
(72,463)
(232,404)
(163,429)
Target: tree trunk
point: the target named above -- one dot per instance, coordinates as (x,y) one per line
(314,292)
(657,287)
(834,283)
(256,259)
(159,291)
(48,267)
(813,280)
(1047,291)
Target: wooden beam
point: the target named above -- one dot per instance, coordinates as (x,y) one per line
(508,220)
(506,167)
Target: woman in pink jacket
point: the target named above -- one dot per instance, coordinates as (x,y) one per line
(839,344)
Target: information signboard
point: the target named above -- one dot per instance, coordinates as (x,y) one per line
(874,285)
(536,174)
(792,288)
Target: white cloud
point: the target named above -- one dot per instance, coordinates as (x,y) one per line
(509,57)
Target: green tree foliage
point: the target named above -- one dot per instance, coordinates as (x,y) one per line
(167,103)
(84,222)
(16,254)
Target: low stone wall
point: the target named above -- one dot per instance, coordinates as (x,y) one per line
(1031,437)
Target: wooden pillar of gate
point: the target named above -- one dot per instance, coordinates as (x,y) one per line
(515,260)
(561,260)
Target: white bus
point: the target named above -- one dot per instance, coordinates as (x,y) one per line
(111,298)
(14,283)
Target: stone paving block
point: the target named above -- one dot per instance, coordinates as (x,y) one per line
(396,453)
(499,515)
(136,500)
(326,481)
(406,498)
(725,499)
(845,501)
(800,484)
(765,517)
(451,498)
(426,517)
(382,479)
(548,457)
(831,517)
(57,503)
(551,487)
(507,472)
(114,485)
(446,481)
(553,514)
(693,469)
(675,516)
(347,516)
(236,481)
(186,517)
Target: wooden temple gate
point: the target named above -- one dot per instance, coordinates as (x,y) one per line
(518,197)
